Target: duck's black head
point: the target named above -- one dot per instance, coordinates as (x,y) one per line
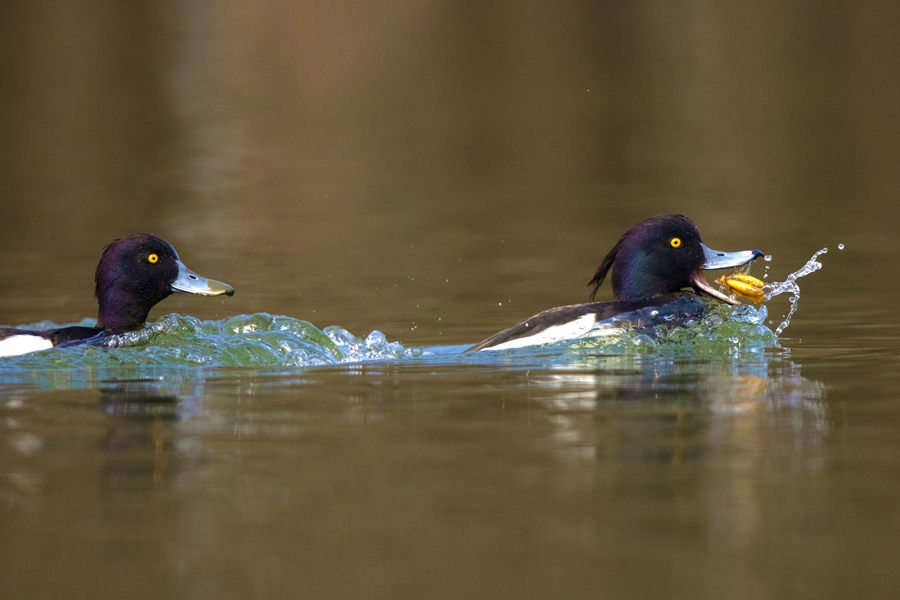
(663,255)
(137,272)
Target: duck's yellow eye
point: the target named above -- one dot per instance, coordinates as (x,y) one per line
(676,242)
(153,258)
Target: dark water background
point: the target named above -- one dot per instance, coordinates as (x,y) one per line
(438,171)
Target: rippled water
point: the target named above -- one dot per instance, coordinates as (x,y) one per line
(572,465)
(563,464)
(256,454)
(264,340)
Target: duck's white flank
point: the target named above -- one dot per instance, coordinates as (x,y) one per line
(23,344)
(567,331)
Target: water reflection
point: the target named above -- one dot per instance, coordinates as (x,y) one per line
(139,443)
(138,399)
(344,464)
(645,408)
(594,402)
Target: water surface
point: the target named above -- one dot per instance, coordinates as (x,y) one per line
(436,172)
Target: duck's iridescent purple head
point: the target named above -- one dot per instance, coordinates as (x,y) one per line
(137,272)
(663,255)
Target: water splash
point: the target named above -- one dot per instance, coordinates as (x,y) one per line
(690,327)
(715,329)
(259,340)
(789,285)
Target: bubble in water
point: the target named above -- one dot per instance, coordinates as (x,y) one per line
(840,246)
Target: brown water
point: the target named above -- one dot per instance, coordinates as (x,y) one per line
(438,171)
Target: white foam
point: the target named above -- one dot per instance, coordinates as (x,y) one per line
(567,331)
(23,344)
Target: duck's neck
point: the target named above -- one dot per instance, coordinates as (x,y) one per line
(121,310)
(637,286)
(638,278)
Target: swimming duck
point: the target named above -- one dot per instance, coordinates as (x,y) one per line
(651,264)
(134,274)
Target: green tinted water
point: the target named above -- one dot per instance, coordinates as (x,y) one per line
(263,340)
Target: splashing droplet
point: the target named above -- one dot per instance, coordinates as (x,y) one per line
(840,246)
(790,285)
(767,258)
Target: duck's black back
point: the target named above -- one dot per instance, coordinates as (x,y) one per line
(666,307)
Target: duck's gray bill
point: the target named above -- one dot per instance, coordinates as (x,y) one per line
(725,260)
(191,283)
